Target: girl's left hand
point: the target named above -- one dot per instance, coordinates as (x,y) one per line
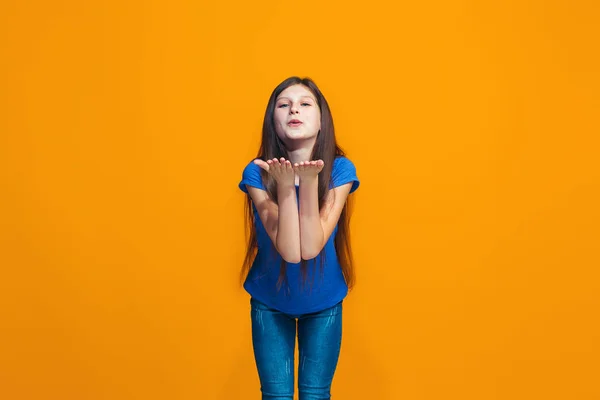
(308,169)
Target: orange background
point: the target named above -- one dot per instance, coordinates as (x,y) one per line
(474,128)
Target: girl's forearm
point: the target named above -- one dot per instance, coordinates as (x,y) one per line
(288,229)
(311,230)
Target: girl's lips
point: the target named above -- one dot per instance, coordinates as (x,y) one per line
(295,123)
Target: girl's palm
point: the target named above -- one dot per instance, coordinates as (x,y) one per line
(308,169)
(281,170)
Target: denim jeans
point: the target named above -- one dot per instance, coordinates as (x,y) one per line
(274,342)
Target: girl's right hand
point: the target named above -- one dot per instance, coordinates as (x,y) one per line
(281,170)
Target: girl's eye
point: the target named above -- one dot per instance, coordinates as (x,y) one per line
(286,105)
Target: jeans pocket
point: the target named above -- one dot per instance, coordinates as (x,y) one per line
(257,305)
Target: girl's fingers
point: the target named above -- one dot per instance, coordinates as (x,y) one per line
(276,165)
(280,165)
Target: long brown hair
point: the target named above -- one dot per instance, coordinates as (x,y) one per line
(326,149)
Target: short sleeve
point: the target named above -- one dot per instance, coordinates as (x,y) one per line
(343,172)
(251,177)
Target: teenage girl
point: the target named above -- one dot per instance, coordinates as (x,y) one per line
(298,265)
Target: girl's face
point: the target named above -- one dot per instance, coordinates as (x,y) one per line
(297,114)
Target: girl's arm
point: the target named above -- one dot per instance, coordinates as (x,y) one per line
(317,226)
(280,219)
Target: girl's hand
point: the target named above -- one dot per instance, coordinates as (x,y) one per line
(308,169)
(281,170)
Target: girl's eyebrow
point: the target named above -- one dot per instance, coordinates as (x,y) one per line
(304,97)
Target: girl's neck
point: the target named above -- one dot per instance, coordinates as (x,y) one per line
(301,153)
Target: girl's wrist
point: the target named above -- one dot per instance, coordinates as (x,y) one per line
(286,185)
(309,179)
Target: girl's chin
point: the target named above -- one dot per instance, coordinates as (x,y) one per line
(291,137)
(299,136)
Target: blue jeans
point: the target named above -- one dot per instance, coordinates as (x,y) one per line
(274,342)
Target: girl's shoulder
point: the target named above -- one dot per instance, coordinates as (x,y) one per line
(344,171)
(342,162)
(251,176)
(342,165)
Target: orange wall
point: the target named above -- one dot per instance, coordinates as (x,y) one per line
(124,129)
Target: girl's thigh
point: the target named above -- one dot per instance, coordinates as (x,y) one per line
(319,340)
(273,340)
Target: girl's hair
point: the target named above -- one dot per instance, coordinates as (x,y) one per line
(326,149)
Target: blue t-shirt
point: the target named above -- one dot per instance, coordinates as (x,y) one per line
(320,291)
